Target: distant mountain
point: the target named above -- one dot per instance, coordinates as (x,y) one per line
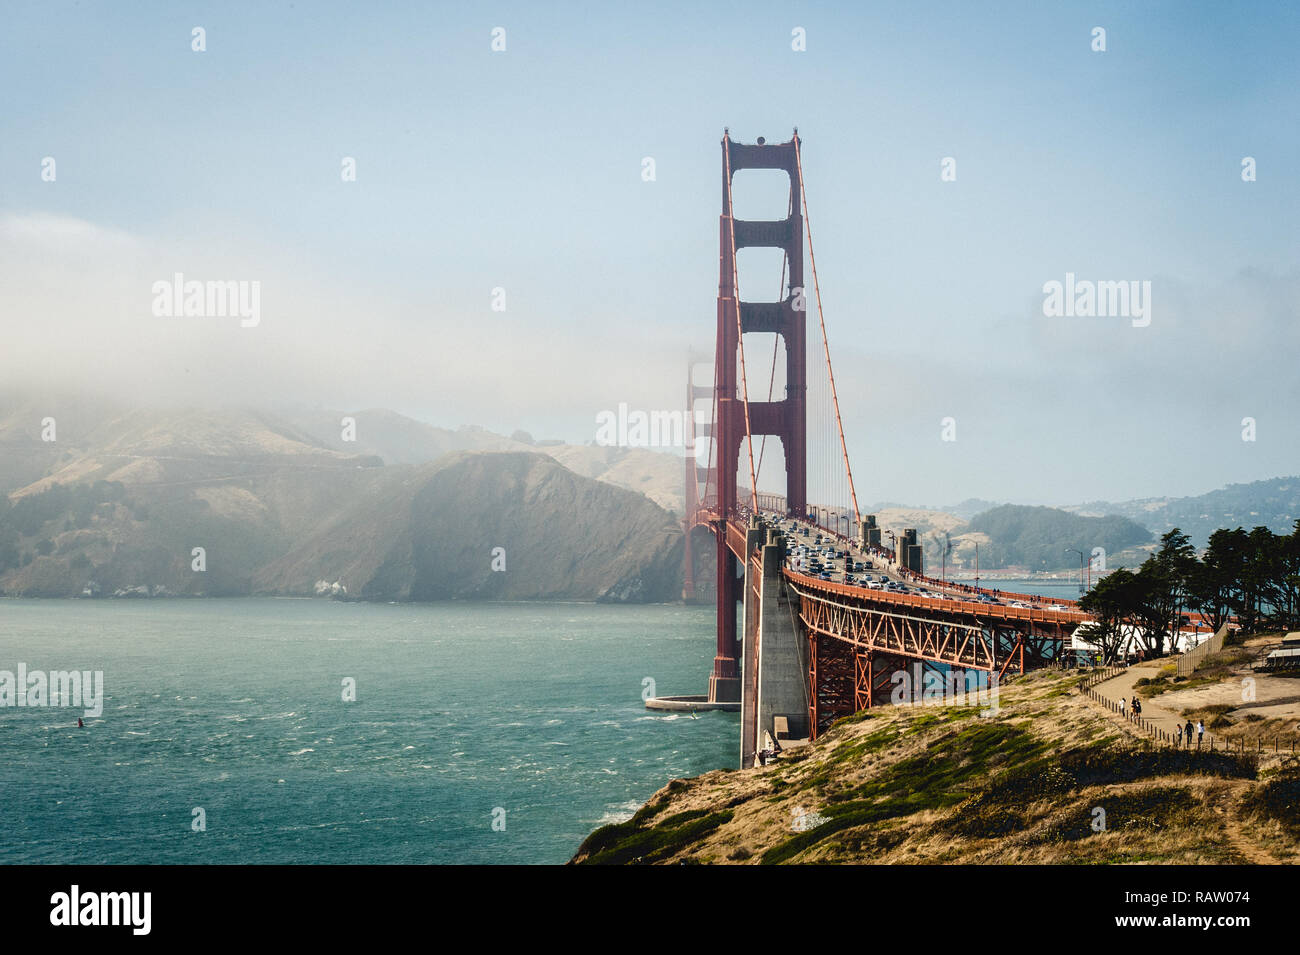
(437,532)
(963,511)
(97,440)
(970,507)
(424,532)
(393,437)
(121,498)
(398,439)
(1273,503)
(926,522)
(1036,538)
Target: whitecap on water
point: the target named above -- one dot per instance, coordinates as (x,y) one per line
(621,812)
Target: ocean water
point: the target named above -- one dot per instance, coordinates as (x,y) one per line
(1057,589)
(235,707)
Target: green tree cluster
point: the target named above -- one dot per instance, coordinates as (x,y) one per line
(1253,576)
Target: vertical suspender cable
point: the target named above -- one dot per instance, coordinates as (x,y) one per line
(740,335)
(857,516)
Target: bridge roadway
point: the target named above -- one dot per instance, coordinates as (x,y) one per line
(917,594)
(862,634)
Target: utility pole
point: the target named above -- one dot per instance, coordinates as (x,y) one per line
(1075,550)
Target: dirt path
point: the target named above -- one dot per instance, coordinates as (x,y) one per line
(1246,847)
(1124,686)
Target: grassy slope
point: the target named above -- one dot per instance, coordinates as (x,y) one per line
(945,785)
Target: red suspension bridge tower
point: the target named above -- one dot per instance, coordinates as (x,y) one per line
(815,648)
(735,416)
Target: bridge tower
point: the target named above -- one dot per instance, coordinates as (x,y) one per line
(785,419)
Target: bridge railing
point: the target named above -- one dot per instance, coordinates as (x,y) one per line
(973,607)
(1013,595)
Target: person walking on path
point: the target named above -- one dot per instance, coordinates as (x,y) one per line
(1137,707)
(1200,731)
(1188,729)
(1178,734)
(1123,707)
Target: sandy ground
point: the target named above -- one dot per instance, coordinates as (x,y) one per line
(1248,691)
(1155,710)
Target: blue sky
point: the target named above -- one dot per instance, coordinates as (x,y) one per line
(521,169)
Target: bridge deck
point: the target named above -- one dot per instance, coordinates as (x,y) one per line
(947,601)
(918,603)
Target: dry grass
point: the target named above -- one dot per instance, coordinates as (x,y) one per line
(944,785)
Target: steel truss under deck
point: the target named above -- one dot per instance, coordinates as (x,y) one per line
(854,648)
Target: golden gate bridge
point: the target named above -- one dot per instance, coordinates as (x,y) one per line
(813,649)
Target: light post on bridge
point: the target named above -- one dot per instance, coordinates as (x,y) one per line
(1075,550)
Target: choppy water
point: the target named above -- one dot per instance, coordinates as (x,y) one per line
(236,706)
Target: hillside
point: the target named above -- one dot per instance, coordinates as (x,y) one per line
(1029,538)
(430,533)
(945,785)
(397,439)
(1037,538)
(120,499)
(1273,503)
(413,533)
(98,439)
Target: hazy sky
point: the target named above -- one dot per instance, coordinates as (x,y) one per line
(522,170)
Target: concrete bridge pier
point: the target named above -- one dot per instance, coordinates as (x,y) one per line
(774,665)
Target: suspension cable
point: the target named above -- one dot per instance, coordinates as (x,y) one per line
(740,335)
(839,423)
